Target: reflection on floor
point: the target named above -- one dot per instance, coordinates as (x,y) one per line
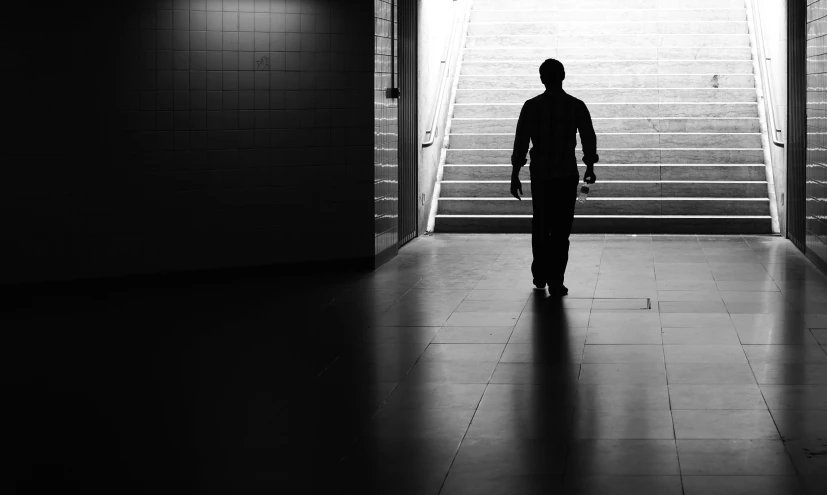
(691,365)
(478,384)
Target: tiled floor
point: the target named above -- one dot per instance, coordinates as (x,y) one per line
(691,365)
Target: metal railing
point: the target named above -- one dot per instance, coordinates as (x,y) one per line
(764,64)
(459,20)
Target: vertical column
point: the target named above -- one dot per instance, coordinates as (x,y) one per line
(386,134)
(815,170)
(796,121)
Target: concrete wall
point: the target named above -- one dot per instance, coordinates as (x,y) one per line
(153,136)
(436,18)
(774,25)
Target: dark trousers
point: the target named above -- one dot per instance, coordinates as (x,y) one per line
(553,202)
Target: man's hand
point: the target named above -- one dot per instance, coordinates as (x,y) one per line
(589,177)
(516,185)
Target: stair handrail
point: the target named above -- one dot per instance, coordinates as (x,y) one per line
(763,60)
(430,134)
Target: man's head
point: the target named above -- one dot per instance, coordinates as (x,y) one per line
(552,73)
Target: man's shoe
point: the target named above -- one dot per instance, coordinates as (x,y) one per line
(540,284)
(560,290)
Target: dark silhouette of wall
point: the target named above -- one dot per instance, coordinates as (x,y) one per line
(154,136)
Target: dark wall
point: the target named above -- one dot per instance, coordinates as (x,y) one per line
(152,136)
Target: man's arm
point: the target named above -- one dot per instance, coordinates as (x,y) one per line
(588,139)
(521,140)
(518,159)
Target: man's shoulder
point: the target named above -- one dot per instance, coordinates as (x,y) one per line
(576,101)
(534,101)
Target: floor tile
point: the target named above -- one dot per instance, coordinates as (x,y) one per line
(421,423)
(536,373)
(755,307)
(801,425)
(623,457)
(795,396)
(809,456)
(552,352)
(775,336)
(478,318)
(535,423)
(510,456)
(490,306)
(473,335)
(704,354)
(747,286)
(475,353)
(743,485)
(622,396)
(623,354)
(709,374)
(549,322)
(618,423)
(477,483)
(498,295)
(622,485)
(724,424)
(628,319)
(393,318)
(603,335)
(785,354)
(629,373)
(692,307)
(712,457)
(790,373)
(410,395)
(689,295)
(451,372)
(700,336)
(716,397)
(525,396)
(695,320)
(820,334)
(686,285)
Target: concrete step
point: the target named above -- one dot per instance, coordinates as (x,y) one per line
(612,206)
(608,27)
(611,67)
(554,14)
(654,110)
(615,95)
(692,172)
(587,39)
(620,124)
(621,156)
(618,189)
(606,4)
(603,53)
(583,81)
(654,224)
(624,140)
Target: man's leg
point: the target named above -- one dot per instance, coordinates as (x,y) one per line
(565,197)
(539,232)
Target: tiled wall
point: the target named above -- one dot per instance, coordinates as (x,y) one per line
(208,133)
(816,162)
(386,131)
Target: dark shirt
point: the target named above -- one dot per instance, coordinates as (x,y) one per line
(551,122)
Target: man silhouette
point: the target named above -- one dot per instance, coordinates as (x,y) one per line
(551,121)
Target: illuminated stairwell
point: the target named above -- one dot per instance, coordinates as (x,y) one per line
(672,95)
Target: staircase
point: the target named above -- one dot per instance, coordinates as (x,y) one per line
(671,91)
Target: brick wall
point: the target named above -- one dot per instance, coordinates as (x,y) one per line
(187,134)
